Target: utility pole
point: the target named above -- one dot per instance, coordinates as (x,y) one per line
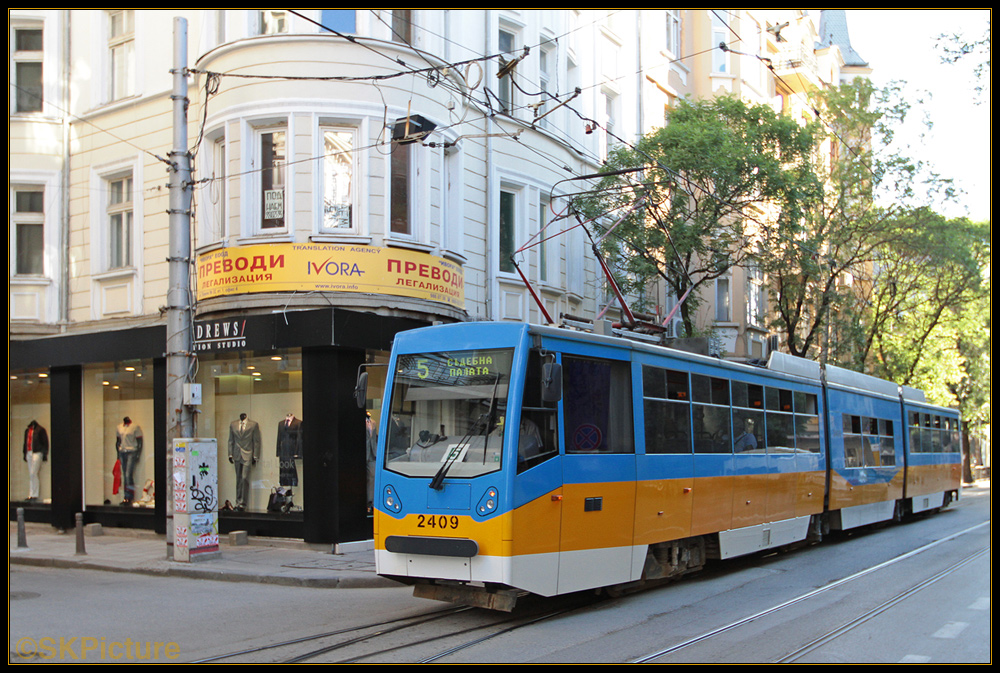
(179,310)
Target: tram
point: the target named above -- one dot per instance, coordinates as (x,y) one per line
(517,459)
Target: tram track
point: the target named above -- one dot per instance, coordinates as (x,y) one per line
(834,633)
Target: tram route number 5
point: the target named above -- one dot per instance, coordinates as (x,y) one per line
(443,522)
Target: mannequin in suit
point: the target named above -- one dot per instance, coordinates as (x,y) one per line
(289,448)
(244,452)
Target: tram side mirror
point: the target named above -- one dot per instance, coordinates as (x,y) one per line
(361,390)
(551,382)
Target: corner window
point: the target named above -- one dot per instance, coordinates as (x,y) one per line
(402,26)
(340,20)
(338,179)
(399,197)
(508,227)
(272,22)
(273,158)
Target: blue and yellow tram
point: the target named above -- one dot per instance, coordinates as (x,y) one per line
(517,458)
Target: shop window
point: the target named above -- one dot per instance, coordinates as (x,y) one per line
(28,437)
(119,426)
(252,405)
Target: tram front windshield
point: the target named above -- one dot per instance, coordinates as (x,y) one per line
(448,408)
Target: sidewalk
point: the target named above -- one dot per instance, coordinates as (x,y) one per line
(264,560)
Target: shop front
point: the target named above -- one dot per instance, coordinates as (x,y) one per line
(86,431)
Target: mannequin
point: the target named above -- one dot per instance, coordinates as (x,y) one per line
(129,446)
(244,452)
(36,450)
(289,448)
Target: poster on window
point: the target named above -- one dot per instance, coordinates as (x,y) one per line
(320,267)
(274,204)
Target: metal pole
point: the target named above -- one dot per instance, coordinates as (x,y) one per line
(81,546)
(179,418)
(22,536)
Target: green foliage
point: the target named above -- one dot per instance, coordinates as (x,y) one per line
(686,192)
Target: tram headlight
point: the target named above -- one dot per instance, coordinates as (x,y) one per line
(391,500)
(489,503)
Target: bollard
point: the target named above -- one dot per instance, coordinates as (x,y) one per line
(22,537)
(80,548)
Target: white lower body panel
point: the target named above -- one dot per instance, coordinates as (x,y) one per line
(922,503)
(862,515)
(752,539)
(475,569)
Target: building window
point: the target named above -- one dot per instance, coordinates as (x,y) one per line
(29,231)
(121,47)
(543,245)
(722,304)
(720,35)
(608,123)
(273,159)
(120,222)
(674,31)
(27,58)
(508,209)
(546,63)
(506,89)
(402,26)
(340,20)
(399,196)
(338,174)
(217,192)
(756,296)
(272,22)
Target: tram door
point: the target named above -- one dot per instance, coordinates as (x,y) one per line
(599,473)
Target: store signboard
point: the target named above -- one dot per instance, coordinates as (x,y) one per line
(318,267)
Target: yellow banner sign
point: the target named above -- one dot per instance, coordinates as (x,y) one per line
(318,267)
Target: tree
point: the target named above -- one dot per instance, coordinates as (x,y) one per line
(816,261)
(687,198)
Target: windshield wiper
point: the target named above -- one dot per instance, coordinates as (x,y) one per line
(485,421)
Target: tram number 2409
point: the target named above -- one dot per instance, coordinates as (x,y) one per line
(443,522)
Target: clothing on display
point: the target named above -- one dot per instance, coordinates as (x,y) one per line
(289,448)
(244,452)
(128,445)
(36,450)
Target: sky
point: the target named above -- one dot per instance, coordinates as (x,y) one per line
(901,45)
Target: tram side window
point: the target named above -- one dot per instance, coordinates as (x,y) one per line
(666,410)
(597,406)
(853,443)
(780,422)
(806,422)
(915,444)
(713,429)
(537,436)
(887,442)
(748,417)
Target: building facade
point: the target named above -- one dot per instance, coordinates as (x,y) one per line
(355,173)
